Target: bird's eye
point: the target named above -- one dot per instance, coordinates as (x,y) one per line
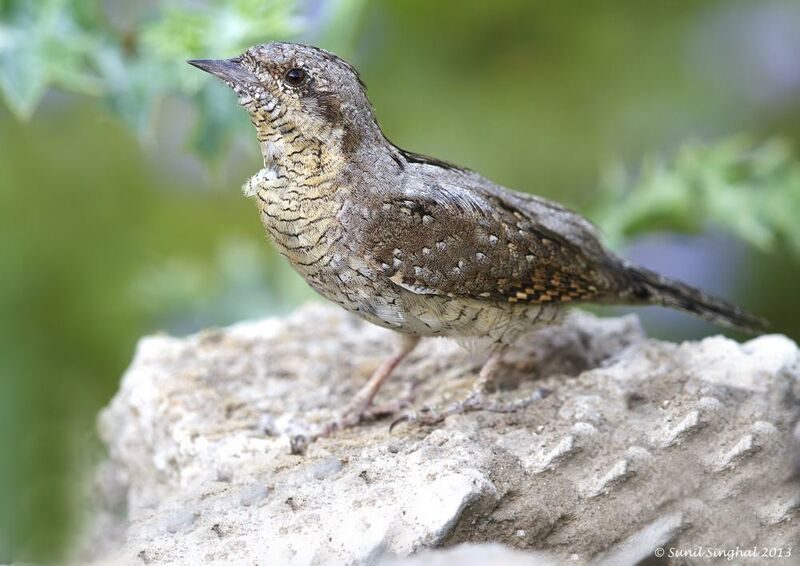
(295,77)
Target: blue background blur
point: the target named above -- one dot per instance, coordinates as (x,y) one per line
(120,210)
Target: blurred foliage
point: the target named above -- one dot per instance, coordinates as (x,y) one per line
(42,45)
(134,55)
(113,225)
(751,191)
(74,45)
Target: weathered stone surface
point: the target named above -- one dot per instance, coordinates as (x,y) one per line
(472,555)
(640,444)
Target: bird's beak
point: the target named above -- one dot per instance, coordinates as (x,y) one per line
(229,70)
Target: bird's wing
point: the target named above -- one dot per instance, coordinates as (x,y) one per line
(461,236)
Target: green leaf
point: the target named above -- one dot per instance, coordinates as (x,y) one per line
(219,117)
(41,45)
(752,191)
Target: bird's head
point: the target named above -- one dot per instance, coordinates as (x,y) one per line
(290,88)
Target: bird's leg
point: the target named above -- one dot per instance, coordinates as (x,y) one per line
(359,406)
(362,401)
(475,400)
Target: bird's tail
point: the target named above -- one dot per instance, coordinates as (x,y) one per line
(650,287)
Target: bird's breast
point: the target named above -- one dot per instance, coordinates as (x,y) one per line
(302,223)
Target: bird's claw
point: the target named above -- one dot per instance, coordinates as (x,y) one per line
(347,419)
(299,442)
(475,401)
(426,416)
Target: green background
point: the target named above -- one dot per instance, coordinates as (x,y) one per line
(120,168)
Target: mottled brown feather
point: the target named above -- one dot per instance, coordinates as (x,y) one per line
(491,249)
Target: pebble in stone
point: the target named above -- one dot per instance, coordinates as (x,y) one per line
(326,468)
(253,494)
(180,520)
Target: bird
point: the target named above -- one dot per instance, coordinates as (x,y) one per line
(416,244)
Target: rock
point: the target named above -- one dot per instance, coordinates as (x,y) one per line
(641,444)
(472,555)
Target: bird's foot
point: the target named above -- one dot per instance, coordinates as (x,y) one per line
(352,416)
(361,409)
(475,401)
(355,415)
